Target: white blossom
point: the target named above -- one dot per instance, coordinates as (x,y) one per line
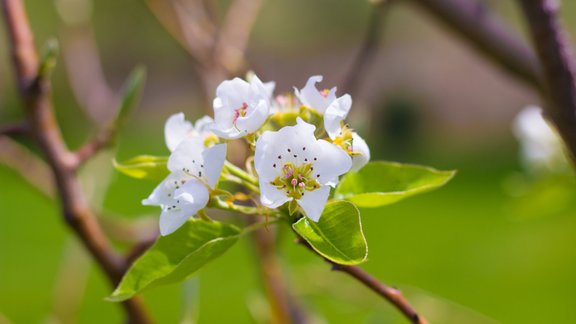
(194,170)
(240,108)
(313,98)
(360,152)
(293,165)
(335,109)
(335,115)
(177,129)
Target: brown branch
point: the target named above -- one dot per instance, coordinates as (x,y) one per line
(35,92)
(558,67)
(487,34)
(101,141)
(369,48)
(392,295)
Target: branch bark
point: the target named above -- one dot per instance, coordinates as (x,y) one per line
(35,92)
(558,67)
(392,295)
(487,34)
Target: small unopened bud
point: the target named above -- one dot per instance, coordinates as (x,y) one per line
(294,182)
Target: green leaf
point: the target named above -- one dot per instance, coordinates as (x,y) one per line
(338,234)
(381,183)
(176,257)
(50,53)
(144,167)
(130,94)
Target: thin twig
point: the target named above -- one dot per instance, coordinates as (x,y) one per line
(489,35)
(369,48)
(101,141)
(558,67)
(392,295)
(35,91)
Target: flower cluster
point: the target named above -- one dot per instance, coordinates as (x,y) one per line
(300,144)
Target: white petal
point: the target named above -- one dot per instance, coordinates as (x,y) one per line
(192,197)
(270,86)
(332,162)
(359,146)
(203,124)
(176,130)
(313,202)
(158,196)
(335,113)
(233,92)
(311,97)
(171,220)
(270,196)
(290,144)
(213,160)
(163,193)
(187,155)
(253,121)
(252,98)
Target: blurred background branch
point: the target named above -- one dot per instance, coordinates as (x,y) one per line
(558,67)
(34,87)
(218,48)
(477,25)
(369,47)
(392,295)
(82,60)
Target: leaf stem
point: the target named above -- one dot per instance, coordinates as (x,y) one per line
(229,206)
(238,172)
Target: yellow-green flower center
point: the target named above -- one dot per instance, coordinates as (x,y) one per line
(296,180)
(344,140)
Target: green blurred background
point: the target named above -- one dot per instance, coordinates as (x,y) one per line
(471,252)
